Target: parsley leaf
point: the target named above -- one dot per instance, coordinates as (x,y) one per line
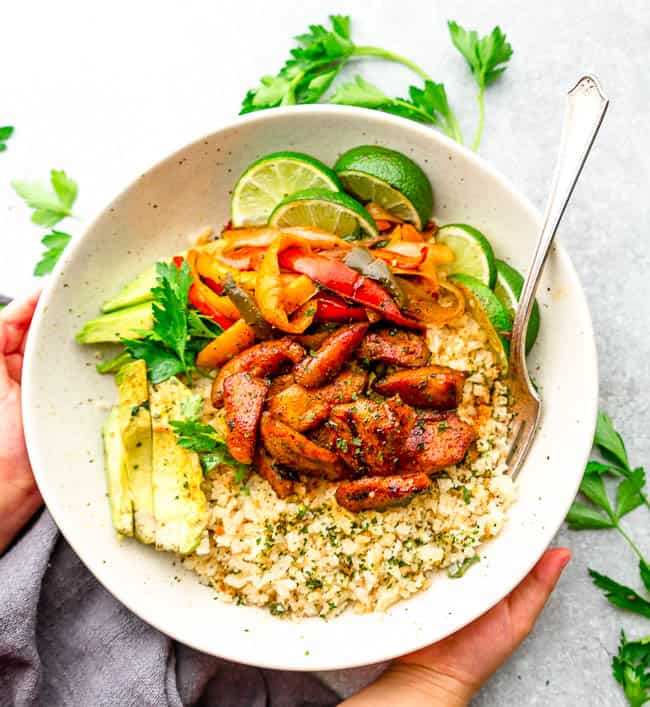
(206,441)
(49,206)
(320,55)
(631,669)
(6,132)
(583,517)
(54,243)
(620,595)
(165,347)
(486,57)
(628,494)
(609,441)
(428,105)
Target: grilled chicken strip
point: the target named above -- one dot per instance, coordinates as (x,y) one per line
(347,386)
(260,360)
(436,441)
(370,435)
(331,356)
(292,449)
(437,387)
(244,397)
(299,408)
(378,492)
(280,383)
(269,470)
(395,346)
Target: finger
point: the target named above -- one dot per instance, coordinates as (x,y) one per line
(528,599)
(14,366)
(15,320)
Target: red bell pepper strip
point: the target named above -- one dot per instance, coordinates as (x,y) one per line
(198,301)
(330,308)
(214,286)
(344,281)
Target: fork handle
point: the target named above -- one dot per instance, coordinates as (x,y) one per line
(585,109)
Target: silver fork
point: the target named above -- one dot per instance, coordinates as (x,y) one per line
(585,110)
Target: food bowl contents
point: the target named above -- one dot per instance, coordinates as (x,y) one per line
(312,408)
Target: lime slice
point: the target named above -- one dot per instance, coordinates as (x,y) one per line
(492,316)
(273,178)
(508,289)
(332,211)
(474,254)
(389,178)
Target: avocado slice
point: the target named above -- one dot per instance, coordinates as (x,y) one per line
(180,506)
(135,429)
(113,327)
(134,292)
(119,496)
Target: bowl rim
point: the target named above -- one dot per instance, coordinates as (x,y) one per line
(492,596)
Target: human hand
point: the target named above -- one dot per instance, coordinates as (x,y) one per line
(451,671)
(19,496)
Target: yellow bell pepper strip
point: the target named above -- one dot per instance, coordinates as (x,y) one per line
(263,236)
(229,343)
(425,307)
(297,291)
(207,266)
(269,289)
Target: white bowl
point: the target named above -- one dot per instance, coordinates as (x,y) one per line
(154,217)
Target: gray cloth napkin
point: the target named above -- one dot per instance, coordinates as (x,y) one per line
(66,642)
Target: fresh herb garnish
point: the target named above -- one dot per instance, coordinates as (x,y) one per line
(54,243)
(6,131)
(428,105)
(206,441)
(486,57)
(631,668)
(50,206)
(165,347)
(631,665)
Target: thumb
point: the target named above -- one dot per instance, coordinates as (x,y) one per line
(527,600)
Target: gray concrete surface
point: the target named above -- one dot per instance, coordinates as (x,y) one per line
(105,90)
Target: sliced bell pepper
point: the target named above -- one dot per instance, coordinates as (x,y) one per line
(344,281)
(244,258)
(296,292)
(263,236)
(268,289)
(200,299)
(330,308)
(207,266)
(228,344)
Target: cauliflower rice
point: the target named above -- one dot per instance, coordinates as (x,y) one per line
(307,556)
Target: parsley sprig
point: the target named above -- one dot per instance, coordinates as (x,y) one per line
(194,435)
(322,52)
(631,668)
(631,665)
(6,131)
(50,206)
(487,57)
(178,330)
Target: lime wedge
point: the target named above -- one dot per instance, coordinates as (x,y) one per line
(492,316)
(389,178)
(273,178)
(508,289)
(332,211)
(474,254)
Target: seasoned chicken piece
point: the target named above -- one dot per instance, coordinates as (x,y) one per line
(324,436)
(292,449)
(395,346)
(315,370)
(346,387)
(244,397)
(280,383)
(436,441)
(260,360)
(299,408)
(370,435)
(378,492)
(270,471)
(436,387)
(313,341)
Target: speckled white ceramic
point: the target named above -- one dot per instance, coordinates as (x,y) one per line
(62,393)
